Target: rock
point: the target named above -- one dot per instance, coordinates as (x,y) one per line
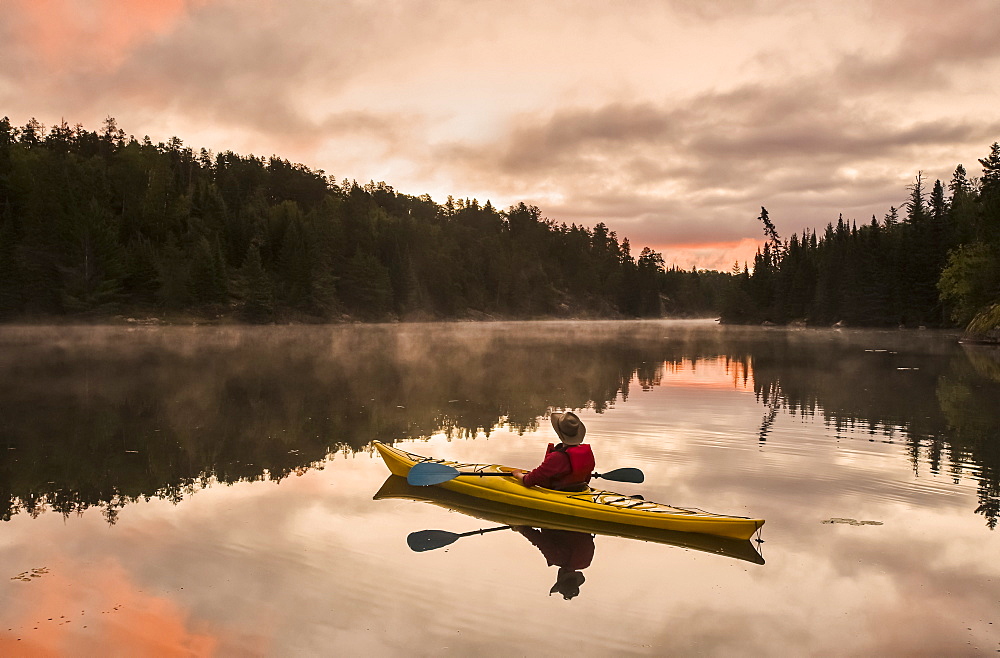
(851,521)
(985,327)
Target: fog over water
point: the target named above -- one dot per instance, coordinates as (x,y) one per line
(214,489)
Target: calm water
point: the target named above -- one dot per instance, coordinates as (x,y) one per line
(213,491)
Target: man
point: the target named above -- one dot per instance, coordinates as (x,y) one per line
(567,466)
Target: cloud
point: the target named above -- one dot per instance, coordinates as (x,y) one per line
(700,175)
(673,122)
(934,43)
(71,35)
(86,608)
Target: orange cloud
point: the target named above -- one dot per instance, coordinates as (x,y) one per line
(709,256)
(68,33)
(78,609)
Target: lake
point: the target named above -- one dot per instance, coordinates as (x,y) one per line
(215,490)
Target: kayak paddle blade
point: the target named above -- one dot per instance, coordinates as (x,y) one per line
(623,475)
(428,540)
(428,473)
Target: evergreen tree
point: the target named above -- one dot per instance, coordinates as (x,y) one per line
(207,282)
(254,288)
(970,281)
(141,279)
(365,287)
(962,208)
(92,268)
(989,226)
(174,270)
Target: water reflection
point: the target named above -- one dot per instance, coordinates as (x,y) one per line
(571,552)
(937,399)
(565,554)
(105,416)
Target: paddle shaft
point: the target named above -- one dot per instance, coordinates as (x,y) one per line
(483,475)
(481,532)
(427,473)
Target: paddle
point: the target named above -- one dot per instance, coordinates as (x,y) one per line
(428,540)
(427,473)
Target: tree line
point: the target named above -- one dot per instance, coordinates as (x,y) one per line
(95,224)
(933,262)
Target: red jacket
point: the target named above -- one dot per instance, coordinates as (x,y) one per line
(565,468)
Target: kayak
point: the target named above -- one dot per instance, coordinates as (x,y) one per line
(397,488)
(593,504)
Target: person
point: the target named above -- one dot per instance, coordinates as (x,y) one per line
(571,551)
(567,466)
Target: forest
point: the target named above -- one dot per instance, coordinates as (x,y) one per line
(934,262)
(97,225)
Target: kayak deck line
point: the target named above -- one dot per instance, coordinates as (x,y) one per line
(645,505)
(594,504)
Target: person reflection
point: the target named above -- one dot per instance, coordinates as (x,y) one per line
(570,551)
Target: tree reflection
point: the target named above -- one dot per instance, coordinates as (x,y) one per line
(940,402)
(968,399)
(106,416)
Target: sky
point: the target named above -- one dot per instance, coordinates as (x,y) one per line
(672,122)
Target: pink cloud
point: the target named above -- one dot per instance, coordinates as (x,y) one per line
(709,256)
(83,609)
(66,34)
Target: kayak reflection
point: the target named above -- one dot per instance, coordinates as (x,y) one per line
(396,487)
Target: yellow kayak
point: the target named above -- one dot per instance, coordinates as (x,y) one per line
(594,504)
(397,488)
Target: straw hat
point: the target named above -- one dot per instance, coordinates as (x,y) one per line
(569,427)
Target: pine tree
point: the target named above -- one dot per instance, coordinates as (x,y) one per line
(207,280)
(254,289)
(93,268)
(962,207)
(174,270)
(989,231)
(365,286)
